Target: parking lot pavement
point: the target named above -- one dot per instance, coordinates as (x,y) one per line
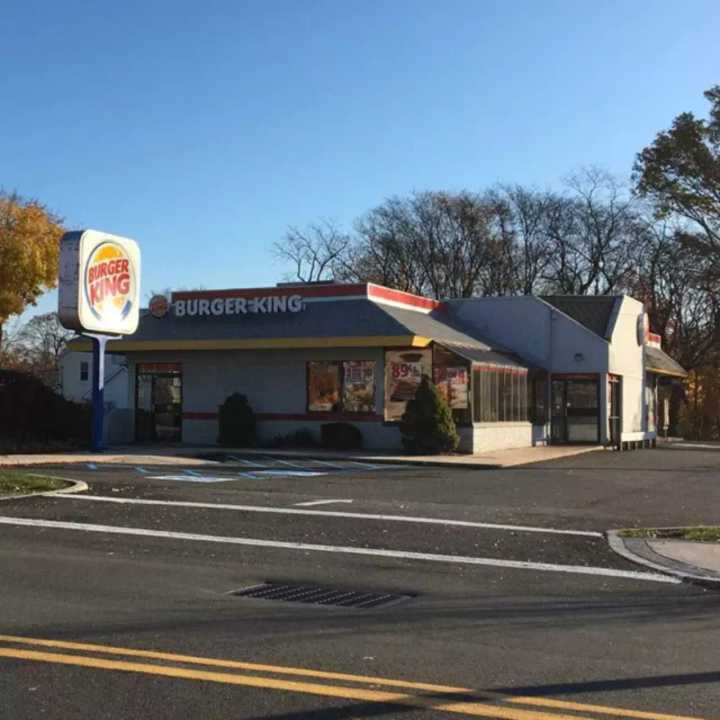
(300,510)
(506,584)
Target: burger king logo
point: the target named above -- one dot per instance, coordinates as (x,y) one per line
(159,306)
(109,281)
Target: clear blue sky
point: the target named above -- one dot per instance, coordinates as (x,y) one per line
(204,129)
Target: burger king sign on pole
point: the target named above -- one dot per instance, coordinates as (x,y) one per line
(99,296)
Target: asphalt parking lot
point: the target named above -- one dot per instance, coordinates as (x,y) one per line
(508,587)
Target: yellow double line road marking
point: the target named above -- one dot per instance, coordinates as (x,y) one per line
(401,692)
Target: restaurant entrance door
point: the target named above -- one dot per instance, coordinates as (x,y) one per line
(575,410)
(158,402)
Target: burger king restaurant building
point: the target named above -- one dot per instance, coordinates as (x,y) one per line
(516,371)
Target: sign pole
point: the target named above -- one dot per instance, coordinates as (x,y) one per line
(98,391)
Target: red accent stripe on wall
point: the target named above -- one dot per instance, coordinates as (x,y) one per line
(306,291)
(314,417)
(654,337)
(398,296)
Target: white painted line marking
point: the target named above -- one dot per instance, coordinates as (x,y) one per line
(362,465)
(196,478)
(91,466)
(191,472)
(247,463)
(289,464)
(329,464)
(342,549)
(289,473)
(141,470)
(338,513)
(320,502)
(703,446)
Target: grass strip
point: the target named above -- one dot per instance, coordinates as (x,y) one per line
(17,482)
(706,533)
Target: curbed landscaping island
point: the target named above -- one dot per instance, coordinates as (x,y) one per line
(17,482)
(700,533)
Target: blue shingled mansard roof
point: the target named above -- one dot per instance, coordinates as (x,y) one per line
(330,319)
(593,311)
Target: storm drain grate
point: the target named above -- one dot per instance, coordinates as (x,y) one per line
(314,595)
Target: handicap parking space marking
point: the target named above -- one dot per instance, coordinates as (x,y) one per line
(141,470)
(195,477)
(242,461)
(91,466)
(259,474)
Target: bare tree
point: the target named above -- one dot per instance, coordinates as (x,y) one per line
(435,243)
(528,215)
(43,340)
(315,252)
(591,231)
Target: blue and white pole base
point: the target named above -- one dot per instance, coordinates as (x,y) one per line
(98,390)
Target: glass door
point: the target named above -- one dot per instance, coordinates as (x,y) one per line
(575,410)
(158,402)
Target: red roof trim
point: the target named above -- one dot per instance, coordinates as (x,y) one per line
(370,290)
(306,291)
(384,293)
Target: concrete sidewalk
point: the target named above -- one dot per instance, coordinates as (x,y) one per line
(181,455)
(697,562)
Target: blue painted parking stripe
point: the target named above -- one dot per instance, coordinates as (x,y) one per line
(91,466)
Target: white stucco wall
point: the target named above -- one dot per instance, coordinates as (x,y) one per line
(77,390)
(626,359)
(485,437)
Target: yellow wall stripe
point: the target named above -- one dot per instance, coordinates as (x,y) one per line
(131,345)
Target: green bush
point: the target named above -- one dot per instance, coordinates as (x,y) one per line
(32,416)
(301,438)
(340,436)
(237,425)
(427,426)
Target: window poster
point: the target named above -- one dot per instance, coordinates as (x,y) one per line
(359,386)
(452,383)
(323,386)
(403,371)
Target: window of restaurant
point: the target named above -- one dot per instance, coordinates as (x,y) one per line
(500,394)
(537,397)
(341,386)
(451,375)
(403,372)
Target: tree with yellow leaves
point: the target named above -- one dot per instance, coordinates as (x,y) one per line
(29,253)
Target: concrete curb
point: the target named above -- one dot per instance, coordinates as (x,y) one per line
(638,551)
(76,486)
(373,460)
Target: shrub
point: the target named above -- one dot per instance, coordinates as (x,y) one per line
(340,436)
(236,419)
(427,426)
(33,415)
(300,438)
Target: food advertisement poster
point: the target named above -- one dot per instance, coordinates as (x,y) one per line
(403,371)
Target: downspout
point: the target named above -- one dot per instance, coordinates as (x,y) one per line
(548,389)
